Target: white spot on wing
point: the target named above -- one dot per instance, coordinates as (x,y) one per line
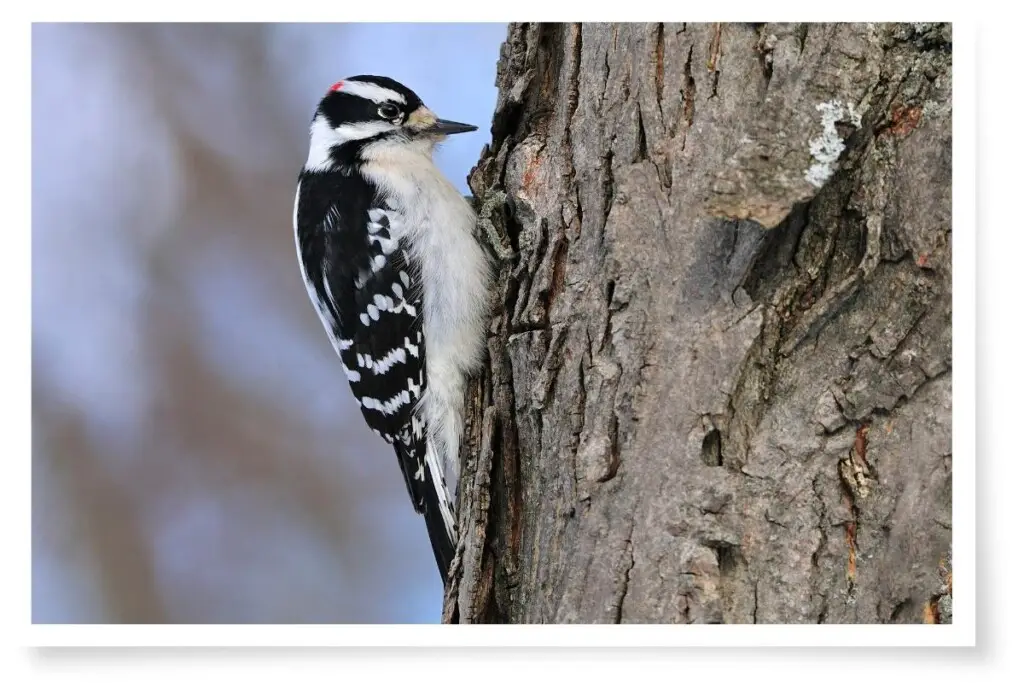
(389,360)
(352,375)
(414,350)
(387,246)
(388,407)
(362,278)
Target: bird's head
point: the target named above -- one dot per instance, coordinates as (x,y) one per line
(364,111)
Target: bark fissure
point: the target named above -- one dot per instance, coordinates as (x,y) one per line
(659,65)
(620,596)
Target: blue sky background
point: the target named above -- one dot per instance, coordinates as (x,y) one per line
(197,455)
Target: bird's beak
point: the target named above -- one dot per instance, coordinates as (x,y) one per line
(443,127)
(425,122)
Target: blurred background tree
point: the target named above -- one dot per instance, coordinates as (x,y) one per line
(196,454)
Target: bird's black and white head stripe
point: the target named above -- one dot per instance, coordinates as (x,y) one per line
(358,110)
(364,273)
(362,110)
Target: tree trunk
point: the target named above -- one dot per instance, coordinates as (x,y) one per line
(719,377)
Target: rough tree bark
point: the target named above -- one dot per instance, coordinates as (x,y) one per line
(718,384)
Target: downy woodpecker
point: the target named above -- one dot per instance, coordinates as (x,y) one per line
(387,250)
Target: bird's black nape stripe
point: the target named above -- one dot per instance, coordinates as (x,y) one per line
(348,155)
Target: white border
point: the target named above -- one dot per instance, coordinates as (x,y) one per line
(962,632)
(964,256)
(542,636)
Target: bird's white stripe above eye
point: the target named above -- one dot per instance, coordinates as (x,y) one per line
(371,91)
(348,132)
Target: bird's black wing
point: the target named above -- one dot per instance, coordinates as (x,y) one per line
(367,290)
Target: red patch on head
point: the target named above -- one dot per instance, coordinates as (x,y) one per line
(337,86)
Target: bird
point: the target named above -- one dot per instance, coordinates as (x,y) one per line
(388,253)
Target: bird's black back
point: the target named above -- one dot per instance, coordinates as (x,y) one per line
(368,291)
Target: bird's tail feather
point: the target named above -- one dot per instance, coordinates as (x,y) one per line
(439,512)
(425,481)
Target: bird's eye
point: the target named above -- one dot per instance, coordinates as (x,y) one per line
(388,111)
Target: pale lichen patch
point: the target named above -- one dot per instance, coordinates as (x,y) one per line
(826,148)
